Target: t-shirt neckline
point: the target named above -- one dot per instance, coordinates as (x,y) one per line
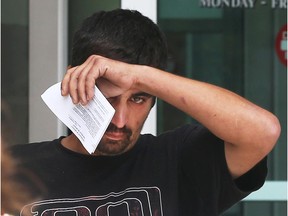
(69,152)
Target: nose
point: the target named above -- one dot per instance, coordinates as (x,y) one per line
(120,117)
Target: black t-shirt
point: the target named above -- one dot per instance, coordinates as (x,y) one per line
(180,172)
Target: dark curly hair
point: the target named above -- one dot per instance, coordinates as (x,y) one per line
(124,35)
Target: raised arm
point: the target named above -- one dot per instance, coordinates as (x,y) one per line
(249,132)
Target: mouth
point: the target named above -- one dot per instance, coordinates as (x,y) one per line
(115,135)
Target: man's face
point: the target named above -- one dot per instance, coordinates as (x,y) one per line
(131,111)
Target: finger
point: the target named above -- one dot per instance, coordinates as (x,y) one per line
(82,81)
(94,74)
(90,85)
(73,82)
(65,82)
(72,85)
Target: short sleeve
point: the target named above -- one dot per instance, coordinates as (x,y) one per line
(254,178)
(204,172)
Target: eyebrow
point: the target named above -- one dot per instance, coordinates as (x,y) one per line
(143,94)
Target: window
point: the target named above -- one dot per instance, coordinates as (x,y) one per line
(233,48)
(14,71)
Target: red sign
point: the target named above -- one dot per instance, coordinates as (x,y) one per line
(281,45)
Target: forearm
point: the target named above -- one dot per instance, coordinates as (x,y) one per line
(227,115)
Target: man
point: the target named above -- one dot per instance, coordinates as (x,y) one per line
(192,170)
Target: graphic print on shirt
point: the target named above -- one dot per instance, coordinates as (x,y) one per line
(143,201)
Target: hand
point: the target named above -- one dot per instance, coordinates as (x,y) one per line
(112,77)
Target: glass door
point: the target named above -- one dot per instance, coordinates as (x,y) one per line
(14,71)
(233,46)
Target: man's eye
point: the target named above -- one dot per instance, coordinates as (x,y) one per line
(137,99)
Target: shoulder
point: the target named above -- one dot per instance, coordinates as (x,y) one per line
(194,136)
(36,148)
(182,138)
(181,131)
(183,134)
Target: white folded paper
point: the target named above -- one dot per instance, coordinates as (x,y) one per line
(88,122)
